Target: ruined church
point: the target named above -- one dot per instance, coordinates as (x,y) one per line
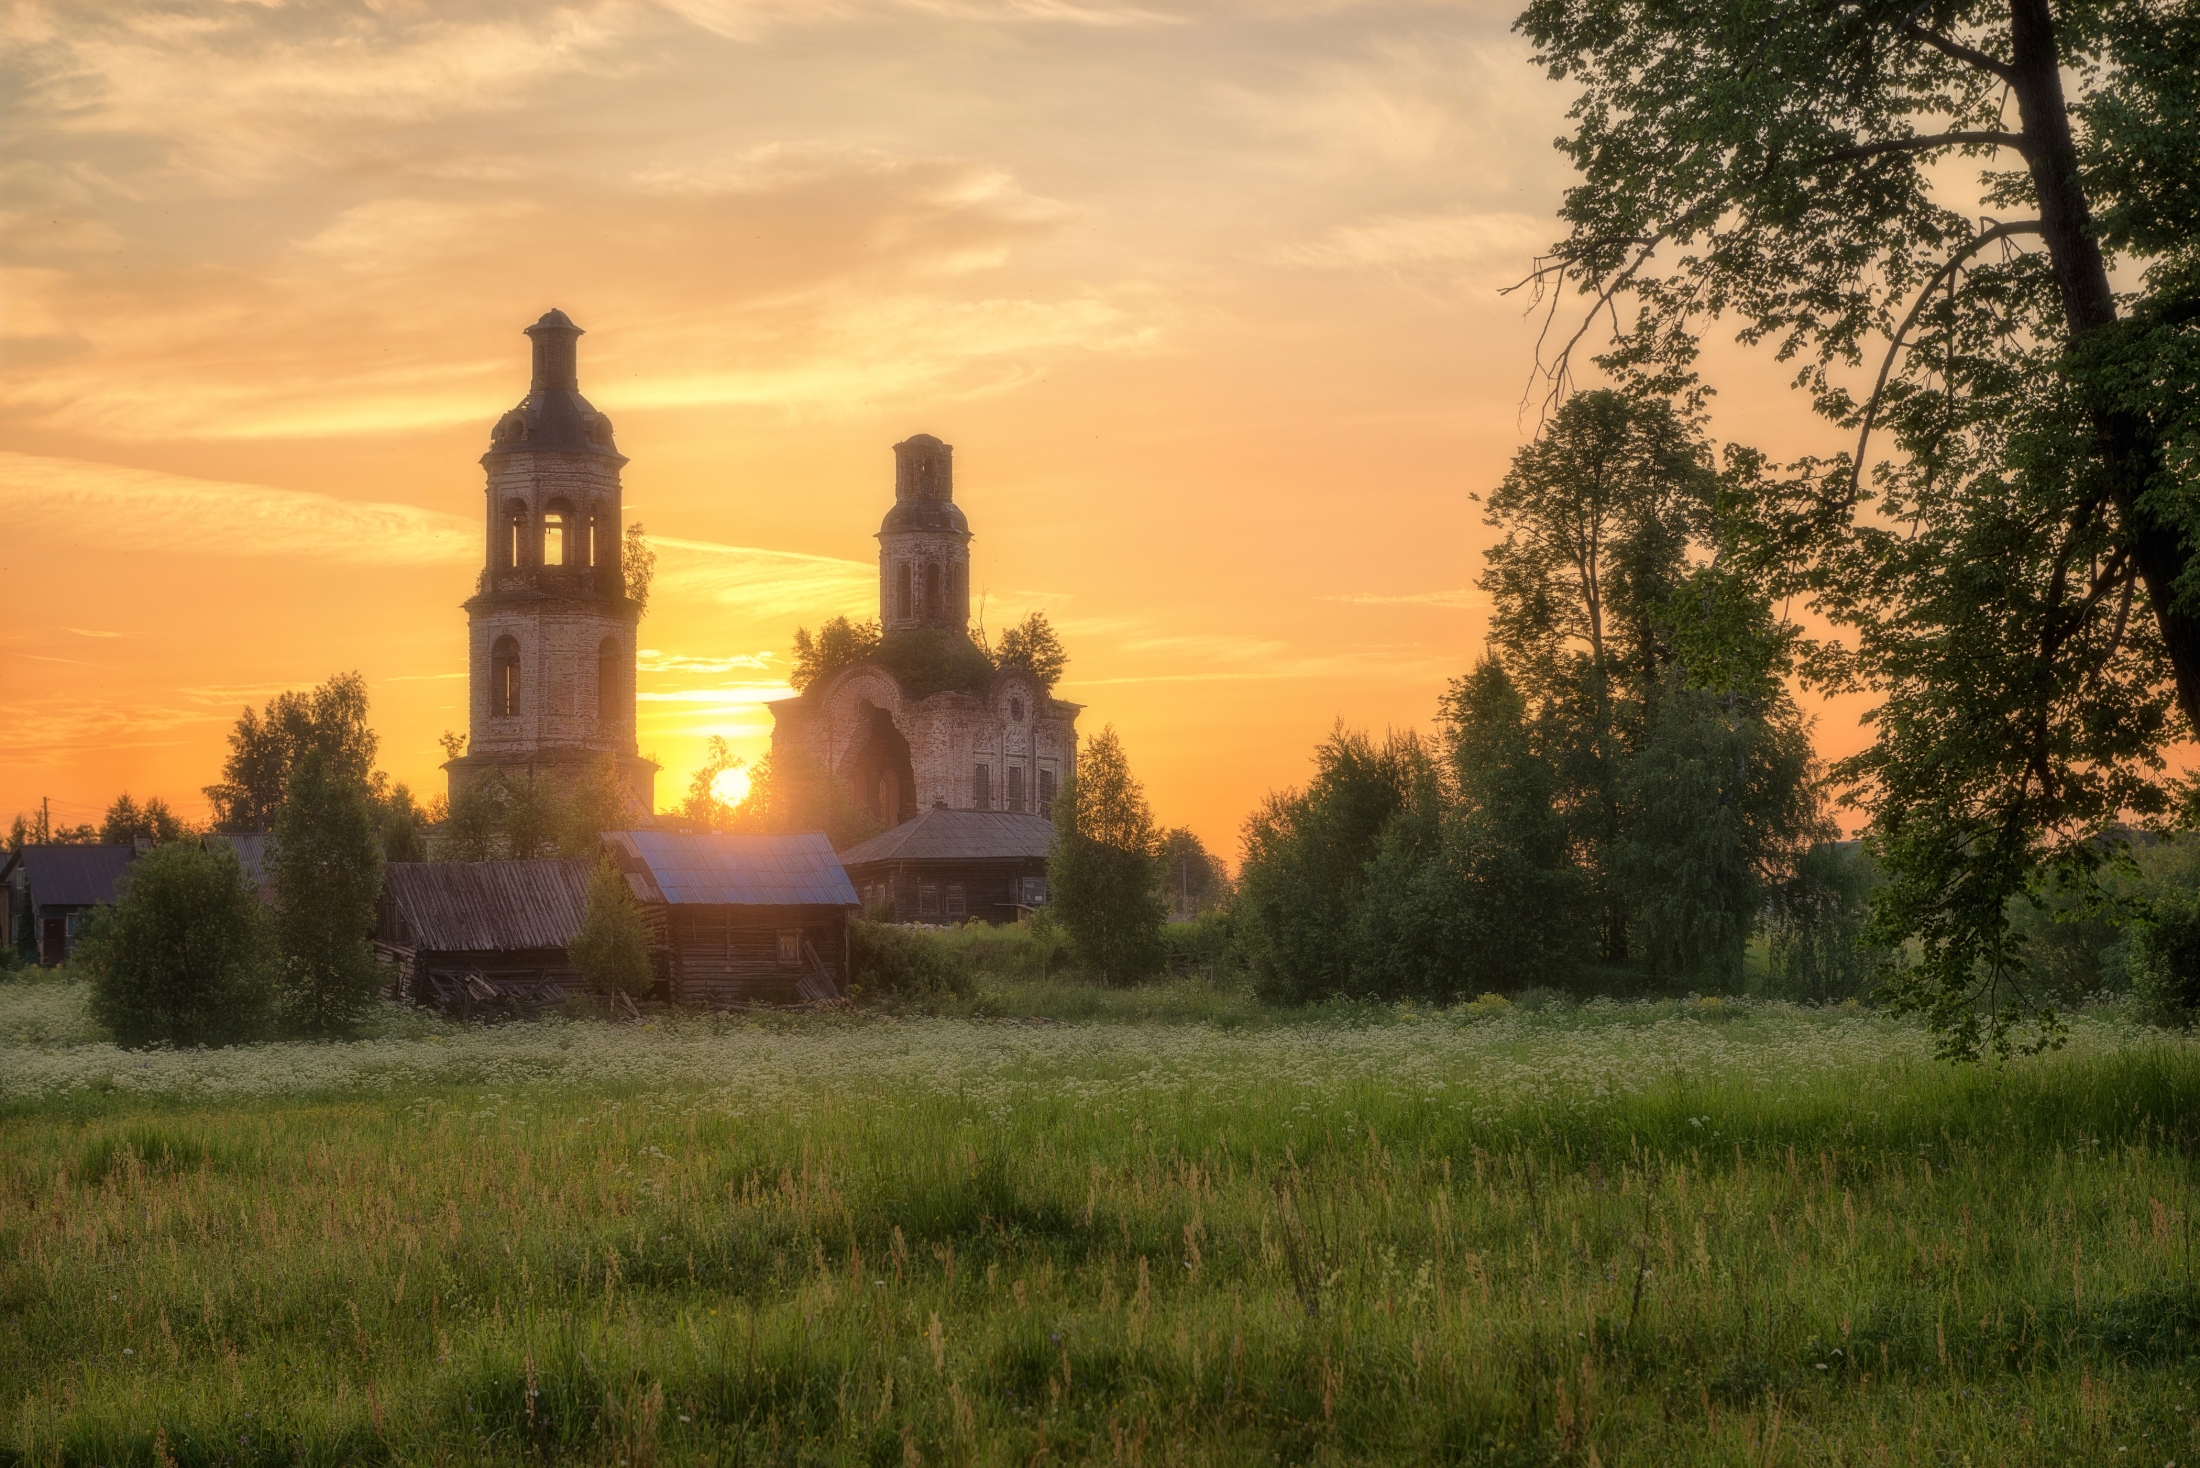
(927,724)
(991,741)
(550,627)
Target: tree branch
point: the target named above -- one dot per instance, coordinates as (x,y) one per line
(1894,343)
(1969,56)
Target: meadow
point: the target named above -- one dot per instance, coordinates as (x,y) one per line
(1179,1227)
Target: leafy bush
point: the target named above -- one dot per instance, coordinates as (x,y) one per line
(327,875)
(1102,870)
(2165,961)
(1038,949)
(612,948)
(908,963)
(184,958)
(1206,945)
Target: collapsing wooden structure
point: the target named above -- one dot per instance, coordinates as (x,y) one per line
(482,937)
(741,921)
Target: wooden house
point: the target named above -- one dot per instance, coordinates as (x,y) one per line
(484,936)
(53,890)
(944,866)
(741,921)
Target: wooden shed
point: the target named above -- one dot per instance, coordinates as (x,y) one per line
(741,921)
(947,865)
(482,936)
(53,890)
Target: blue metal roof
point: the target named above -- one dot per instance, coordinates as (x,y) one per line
(733,871)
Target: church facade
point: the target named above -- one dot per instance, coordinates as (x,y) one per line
(999,743)
(550,628)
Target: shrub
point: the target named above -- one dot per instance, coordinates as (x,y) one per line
(2165,961)
(1207,945)
(908,963)
(184,957)
(1102,871)
(1037,949)
(612,948)
(327,875)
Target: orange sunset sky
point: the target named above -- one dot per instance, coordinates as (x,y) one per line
(1205,296)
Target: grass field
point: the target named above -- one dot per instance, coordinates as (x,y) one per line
(1182,1229)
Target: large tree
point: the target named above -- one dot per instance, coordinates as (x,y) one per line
(1102,871)
(2007,552)
(327,876)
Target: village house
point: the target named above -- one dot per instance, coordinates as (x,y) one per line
(484,936)
(947,865)
(739,921)
(53,890)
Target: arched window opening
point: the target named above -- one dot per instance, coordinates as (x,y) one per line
(1015,787)
(515,535)
(935,604)
(958,596)
(504,678)
(557,528)
(901,589)
(609,683)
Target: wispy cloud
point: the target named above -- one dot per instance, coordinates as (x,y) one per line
(1404,241)
(765,583)
(146,510)
(651,660)
(1460,598)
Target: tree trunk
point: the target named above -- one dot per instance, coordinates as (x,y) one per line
(2129,454)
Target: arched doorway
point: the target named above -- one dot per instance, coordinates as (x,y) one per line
(880,775)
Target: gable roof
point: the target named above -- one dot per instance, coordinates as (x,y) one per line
(957,835)
(73,875)
(487,906)
(732,871)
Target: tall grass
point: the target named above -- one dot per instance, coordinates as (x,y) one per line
(1706,1233)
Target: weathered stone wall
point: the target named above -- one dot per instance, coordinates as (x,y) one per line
(1013,725)
(916,550)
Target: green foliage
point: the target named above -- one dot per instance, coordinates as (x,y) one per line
(126,821)
(1033,646)
(184,957)
(2008,555)
(929,660)
(496,816)
(1818,951)
(1036,949)
(1102,868)
(400,825)
(1721,807)
(905,963)
(702,809)
(637,567)
(612,948)
(327,874)
(265,747)
(2165,962)
(1193,880)
(1306,861)
(839,644)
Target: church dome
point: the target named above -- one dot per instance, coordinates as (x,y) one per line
(925,515)
(554,417)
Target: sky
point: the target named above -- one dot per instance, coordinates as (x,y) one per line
(1207,297)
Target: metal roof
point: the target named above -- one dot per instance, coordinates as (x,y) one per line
(251,847)
(487,906)
(957,835)
(72,875)
(732,871)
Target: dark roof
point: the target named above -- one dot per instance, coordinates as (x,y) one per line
(732,871)
(925,515)
(250,846)
(72,875)
(487,906)
(957,835)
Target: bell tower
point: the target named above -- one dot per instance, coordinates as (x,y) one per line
(550,628)
(924,544)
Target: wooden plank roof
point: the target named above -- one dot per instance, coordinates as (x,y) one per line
(488,906)
(73,875)
(732,871)
(940,834)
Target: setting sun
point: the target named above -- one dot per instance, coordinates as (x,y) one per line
(731,786)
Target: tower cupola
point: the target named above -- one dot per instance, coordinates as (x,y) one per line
(554,418)
(924,542)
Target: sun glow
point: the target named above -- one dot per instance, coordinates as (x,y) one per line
(731,787)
